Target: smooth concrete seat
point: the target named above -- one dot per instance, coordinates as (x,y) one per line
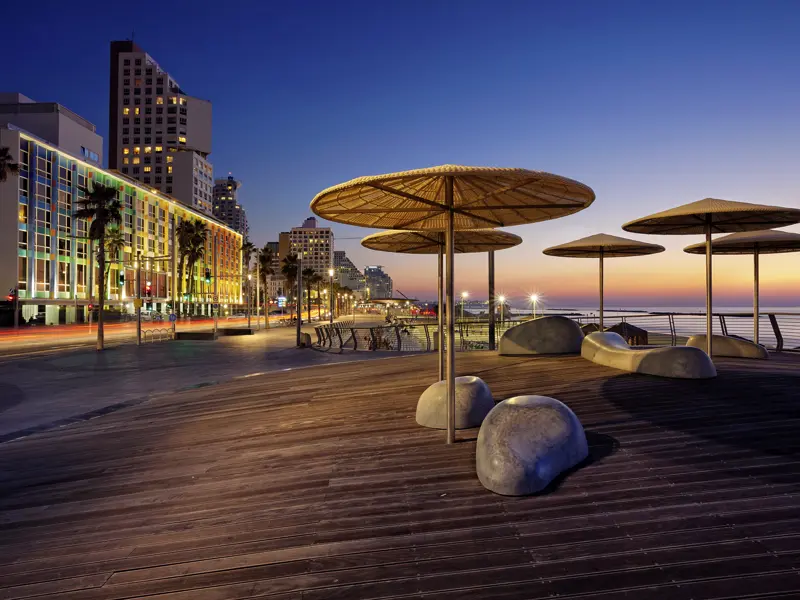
(724,345)
(527,441)
(681,362)
(473,402)
(546,335)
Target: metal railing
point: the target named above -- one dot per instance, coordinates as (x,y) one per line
(156,335)
(777,331)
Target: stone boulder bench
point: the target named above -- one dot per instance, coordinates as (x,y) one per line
(724,345)
(473,402)
(545,335)
(680,362)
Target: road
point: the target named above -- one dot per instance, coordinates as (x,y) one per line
(42,340)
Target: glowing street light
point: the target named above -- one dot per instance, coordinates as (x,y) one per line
(330,277)
(464,296)
(534,300)
(502,300)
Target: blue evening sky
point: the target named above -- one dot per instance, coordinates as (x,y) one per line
(653,104)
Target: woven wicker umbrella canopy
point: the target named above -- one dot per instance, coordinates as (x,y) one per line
(709,216)
(603,246)
(432,242)
(755,243)
(426,242)
(450,198)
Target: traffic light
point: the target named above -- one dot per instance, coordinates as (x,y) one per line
(121,279)
(208,275)
(148,291)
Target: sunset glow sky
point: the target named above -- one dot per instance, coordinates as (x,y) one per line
(652,104)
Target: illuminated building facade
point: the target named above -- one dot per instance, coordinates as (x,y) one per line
(45,254)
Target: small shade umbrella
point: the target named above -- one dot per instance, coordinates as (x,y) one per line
(709,216)
(603,246)
(450,198)
(755,243)
(427,242)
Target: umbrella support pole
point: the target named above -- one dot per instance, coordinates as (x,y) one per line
(755,295)
(440,310)
(492,332)
(601,291)
(451,346)
(708,287)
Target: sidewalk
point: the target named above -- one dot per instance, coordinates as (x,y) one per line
(42,393)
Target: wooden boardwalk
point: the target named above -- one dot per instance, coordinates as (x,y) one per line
(318,484)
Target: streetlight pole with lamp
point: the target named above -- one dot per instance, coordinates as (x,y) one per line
(249,298)
(502,300)
(464,296)
(534,300)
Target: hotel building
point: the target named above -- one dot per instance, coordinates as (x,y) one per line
(313,245)
(226,204)
(158,134)
(45,254)
(347,273)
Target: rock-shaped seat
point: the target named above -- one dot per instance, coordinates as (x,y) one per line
(681,362)
(546,335)
(473,402)
(527,441)
(724,345)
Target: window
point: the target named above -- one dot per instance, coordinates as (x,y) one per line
(137,91)
(148,100)
(148,91)
(137,150)
(171,120)
(147,169)
(125,170)
(135,170)
(64,246)
(126,131)
(158,169)
(138,63)
(148,110)
(126,151)
(169,178)
(159,149)
(159,100)
(173,100)
(126,82)
(171,130)
(146,177)
(169,168)
(136,160)
(169,160)
(126,62)
(182,139)
(158,179)
(159,90)
(126,160)
(23,240)
(126,111)
(126,101)
(169,189)
(149,80)
(183,121)
(159,120)
(126,92)
(148,149)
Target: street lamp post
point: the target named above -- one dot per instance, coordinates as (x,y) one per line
(249,298)
(502,300)
(534,300)
(464,296)
(330,276)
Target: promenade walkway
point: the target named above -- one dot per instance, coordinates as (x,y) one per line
(318,484)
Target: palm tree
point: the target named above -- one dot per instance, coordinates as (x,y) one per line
(184,234)
(308,276)
(316,279)
(265,258)
(102,208)
(197,251)
(115,243)
(7,165)
(289,267)
(248,248)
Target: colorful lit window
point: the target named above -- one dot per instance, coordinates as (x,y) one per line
(126,111)
(159,100)
(159,149)
(137,150)
(126,160)
(169,169)
(173,100)
(182,139)
(136,160)
(147,169)
(148,149)
(126,151)
(136,110)
(169,159)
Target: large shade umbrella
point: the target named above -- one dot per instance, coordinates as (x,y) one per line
(427,242)
(755,243)
(713,216)
(603,246)
(450,198)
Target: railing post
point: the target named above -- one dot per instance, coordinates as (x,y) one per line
(673,333)
(777,331)
(355,338)
(427,338)
(339,335)
(374,340)
(399,339)
(722,325)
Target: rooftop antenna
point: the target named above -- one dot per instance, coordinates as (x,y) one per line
(133,34)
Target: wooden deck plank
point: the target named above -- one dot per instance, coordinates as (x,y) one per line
(319,485)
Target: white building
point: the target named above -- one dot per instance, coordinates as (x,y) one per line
(347,274)
(158,134)
(313,245)
(379,283)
